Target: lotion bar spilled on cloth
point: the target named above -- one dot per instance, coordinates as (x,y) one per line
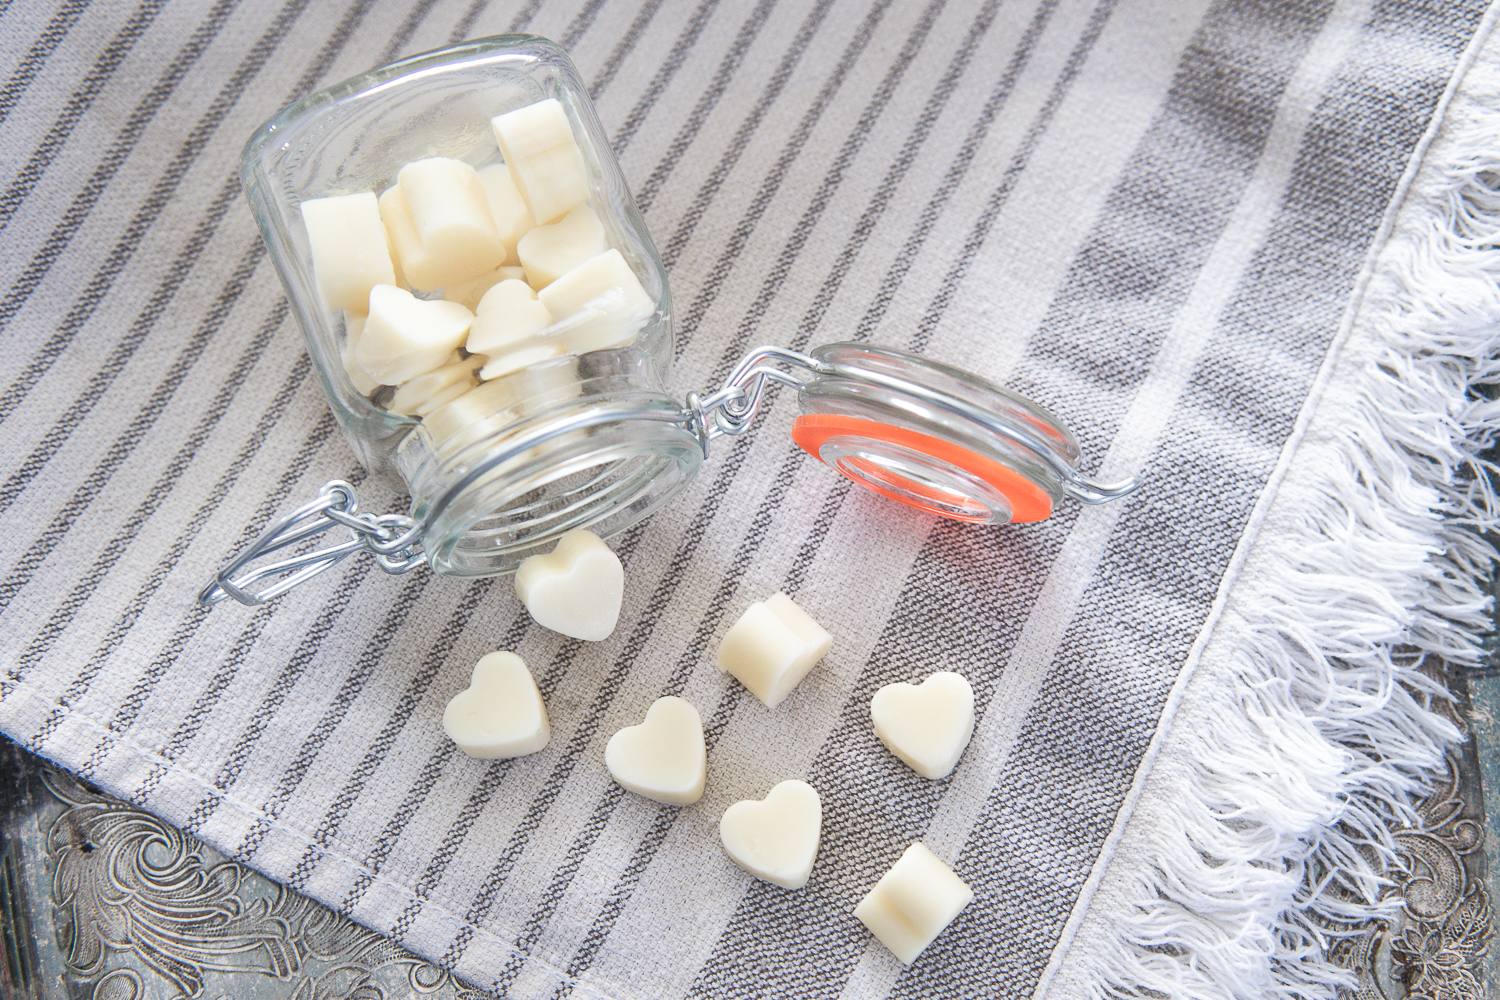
(927,725)
(500,713)
(776,839)
(913,902)
(575,589)
(772,647)
(664,758)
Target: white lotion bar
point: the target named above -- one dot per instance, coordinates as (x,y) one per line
(421,395)
(548,252)
(349,250)
(913,902)
(664,758)
(470,293)
(927,725)
(500,713)
(776,839)
(450,216)
(354,325)
(600,304)
(508,318)
(544,160)
(405,244)
(576,588)
(485,409)
(405,336)
(513,361)
(772,647)
(507,208)
(462,421)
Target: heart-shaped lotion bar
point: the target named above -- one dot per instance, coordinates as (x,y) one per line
(663,758)
(776,839)
(405,336)
(500,713)
(575,589)
(927,725)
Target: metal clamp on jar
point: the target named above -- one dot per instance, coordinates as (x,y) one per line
(514,414)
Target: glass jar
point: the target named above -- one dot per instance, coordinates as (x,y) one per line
(583,433)
(569,441)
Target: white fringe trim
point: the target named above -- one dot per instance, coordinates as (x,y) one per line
(1285,834)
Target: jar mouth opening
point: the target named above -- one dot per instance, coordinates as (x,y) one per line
(937,475)
(913,478)
(514,493)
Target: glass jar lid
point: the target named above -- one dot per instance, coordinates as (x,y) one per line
(937,438)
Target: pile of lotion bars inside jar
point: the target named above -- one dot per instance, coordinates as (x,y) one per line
(521,258)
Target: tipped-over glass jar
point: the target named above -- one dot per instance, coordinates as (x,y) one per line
(492,326)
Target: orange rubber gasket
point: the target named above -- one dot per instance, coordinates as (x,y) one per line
(1028,501)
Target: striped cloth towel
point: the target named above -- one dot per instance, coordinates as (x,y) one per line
(1152,218)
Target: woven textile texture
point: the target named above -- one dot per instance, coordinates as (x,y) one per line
(1151,218)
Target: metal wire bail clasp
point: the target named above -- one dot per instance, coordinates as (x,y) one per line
(729,410)
(393,539)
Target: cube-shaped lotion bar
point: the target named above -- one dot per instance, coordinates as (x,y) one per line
(599,304)
(349,250)
(772,647)
(512,218)
(913,902)
(439,220)
(544,159)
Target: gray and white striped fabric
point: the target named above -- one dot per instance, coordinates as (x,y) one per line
(1148,217)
